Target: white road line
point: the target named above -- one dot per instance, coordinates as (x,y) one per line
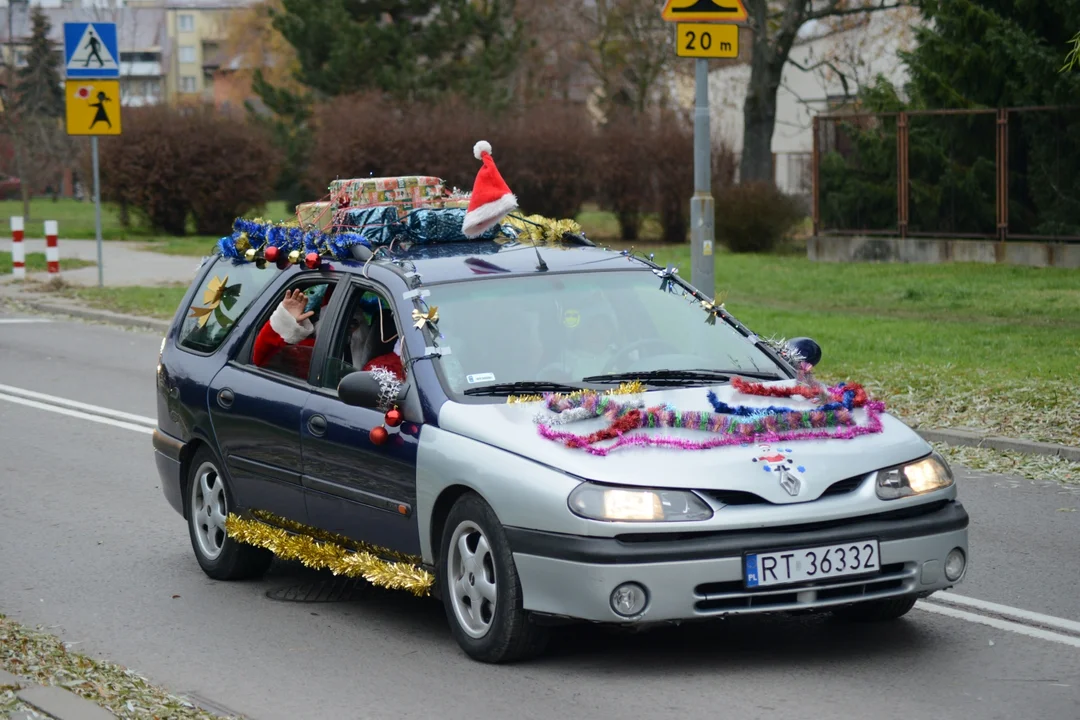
(1001,624)
(20,321)
(115,418)
(77,414)
(75,405)
(1033,617)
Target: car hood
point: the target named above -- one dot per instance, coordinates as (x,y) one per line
(747,468)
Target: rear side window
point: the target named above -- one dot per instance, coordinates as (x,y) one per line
(224,295)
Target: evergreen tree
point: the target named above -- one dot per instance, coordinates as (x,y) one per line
(409,48)
(38,91)
(974,54)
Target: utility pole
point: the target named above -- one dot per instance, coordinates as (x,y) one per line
(699,35)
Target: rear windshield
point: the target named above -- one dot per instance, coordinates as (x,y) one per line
(224,295)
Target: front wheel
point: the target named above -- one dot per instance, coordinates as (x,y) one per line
(480,587)
(208,503)
(878,610)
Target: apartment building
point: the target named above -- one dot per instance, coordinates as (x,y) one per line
(168,48)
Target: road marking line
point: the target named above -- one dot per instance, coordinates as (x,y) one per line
(20,321)
(77,414)
(116,418)
(1048,620)
(75,405)
(1000,624)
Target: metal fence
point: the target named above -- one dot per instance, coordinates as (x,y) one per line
(1011,173)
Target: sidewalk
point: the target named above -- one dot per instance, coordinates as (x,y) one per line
(124,263)
(48,701)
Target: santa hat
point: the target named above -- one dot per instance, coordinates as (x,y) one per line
(491,199)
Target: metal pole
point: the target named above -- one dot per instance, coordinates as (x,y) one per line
(97,211)
(702,263)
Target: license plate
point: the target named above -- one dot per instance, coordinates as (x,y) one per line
(796,566)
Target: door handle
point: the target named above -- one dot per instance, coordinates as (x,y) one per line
(316,424)
(225,398)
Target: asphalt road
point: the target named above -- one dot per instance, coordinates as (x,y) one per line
(92,550)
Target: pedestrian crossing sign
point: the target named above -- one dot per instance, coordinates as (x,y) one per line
(93,107)
(90,50)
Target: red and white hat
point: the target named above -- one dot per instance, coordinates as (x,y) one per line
(491,199)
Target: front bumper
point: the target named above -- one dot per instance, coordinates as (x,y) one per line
(701,577)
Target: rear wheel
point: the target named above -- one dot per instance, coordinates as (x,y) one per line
(877,610)
(480,587)
(209,500)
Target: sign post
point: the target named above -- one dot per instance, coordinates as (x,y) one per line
(697,38)
(91,62)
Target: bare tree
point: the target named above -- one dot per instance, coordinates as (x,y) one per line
(776,25)
(628,47)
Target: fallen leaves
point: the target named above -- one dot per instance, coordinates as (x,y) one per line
(43,658)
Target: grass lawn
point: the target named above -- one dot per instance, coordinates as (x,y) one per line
(35,262)
(76,219)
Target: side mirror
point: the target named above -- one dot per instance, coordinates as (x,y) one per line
(362,390)
(806,347)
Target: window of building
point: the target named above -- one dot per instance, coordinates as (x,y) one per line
(186,23)
(187,53)
(187,84)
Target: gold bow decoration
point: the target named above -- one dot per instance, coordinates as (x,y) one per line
(218,294)
(713,311)
(430,317)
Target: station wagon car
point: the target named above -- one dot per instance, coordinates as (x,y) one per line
(523,526)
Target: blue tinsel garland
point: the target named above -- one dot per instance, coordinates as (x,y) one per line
(286,238)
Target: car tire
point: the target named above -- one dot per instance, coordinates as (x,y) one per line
(882,610)
(480,587)
(208,501)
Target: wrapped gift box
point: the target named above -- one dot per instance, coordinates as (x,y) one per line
(406,192)
(315,215)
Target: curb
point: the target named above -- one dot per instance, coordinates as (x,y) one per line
(966,438)
(100,315)
(76,311)
(52,700)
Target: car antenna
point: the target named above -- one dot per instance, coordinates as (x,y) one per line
(542,266)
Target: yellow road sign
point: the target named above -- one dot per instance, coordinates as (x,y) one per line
(93,107)
(702,40)
(704,11)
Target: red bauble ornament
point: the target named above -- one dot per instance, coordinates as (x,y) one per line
(393,417)
(312,260)
(379,435)
(271,254)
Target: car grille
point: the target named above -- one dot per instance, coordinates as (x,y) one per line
(739,497)
(731,597)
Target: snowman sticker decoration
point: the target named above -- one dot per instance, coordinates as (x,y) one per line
(779,461)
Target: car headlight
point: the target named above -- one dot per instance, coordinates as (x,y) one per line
(923,476)
(632,504)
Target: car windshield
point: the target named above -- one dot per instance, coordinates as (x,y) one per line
(563,328)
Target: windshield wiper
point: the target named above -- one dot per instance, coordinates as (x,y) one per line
(523,386)
(675,377)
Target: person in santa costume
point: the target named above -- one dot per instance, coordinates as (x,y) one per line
(290,328)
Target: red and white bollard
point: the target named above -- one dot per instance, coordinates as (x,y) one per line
(52,249)
(18,252)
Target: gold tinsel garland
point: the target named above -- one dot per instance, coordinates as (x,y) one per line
(321,550)
(540,230)
(627,388)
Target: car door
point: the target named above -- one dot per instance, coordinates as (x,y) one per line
(256,413)
(354,487)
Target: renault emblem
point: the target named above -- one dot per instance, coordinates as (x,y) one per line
(790,483)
